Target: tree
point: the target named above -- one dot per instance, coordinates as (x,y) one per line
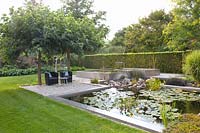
(93,31)
(75,35)
(183,32)
(24,31)
(82,8)
(78,8)
(132,38)
(147,34)
(118,39)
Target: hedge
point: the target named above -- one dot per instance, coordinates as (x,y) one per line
(13,71)
(167,62)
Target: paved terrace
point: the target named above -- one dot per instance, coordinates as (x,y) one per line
(78,86)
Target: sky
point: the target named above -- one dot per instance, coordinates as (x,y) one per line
(120,13)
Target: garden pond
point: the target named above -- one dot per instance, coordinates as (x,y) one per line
(145,105)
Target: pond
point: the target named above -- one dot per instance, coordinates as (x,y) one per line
(146,105)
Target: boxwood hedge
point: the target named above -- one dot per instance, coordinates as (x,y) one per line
(169,62)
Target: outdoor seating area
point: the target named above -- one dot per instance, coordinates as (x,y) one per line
(52,78)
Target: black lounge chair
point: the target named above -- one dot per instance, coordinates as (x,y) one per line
(51,78)
(66,77)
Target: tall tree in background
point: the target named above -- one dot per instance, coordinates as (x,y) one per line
(94,32)
(132,39)
(78,8)
(81,8)
(183,32)
(118,39)
(147,34)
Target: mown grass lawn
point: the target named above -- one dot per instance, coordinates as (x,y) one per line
(22,111)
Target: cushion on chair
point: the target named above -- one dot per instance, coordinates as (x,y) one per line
(50,76)
(66,74)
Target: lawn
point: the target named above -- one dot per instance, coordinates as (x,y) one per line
(22,111)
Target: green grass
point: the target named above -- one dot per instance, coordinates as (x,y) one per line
(22,111)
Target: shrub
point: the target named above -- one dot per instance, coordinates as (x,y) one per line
(188,123)
(168,62)
(153,84)
(192,65)
(94,81)
(76,68)
(13,71)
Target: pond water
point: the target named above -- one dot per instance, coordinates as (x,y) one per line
(145,105)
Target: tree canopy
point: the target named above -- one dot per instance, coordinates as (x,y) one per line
(119,38)
(25,31)
(183,32)
(146,35)
(36,29)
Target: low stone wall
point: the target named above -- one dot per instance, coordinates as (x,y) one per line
(126,72)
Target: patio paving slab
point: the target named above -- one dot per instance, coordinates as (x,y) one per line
(69,89)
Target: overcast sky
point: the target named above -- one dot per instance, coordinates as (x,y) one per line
(120,13)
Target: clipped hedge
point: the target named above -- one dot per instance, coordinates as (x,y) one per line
(168,62)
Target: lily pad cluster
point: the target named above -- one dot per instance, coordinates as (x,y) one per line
(145,105)
(107,99)
(169,95)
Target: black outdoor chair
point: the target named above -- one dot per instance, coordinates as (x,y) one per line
(66,77)
(51,78)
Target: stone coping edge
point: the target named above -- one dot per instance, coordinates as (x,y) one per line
(185,88)
(150,127)
(82,93)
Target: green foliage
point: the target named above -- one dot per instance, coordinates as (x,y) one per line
(119,38)
(147,34)
(17,72)
(76,68)
(153,84)
(34,29)
(88,30)
(183,32)
(126,104)
(188,123)
(78,8)
(169,62)
(192,65)
(94,81)
(163,112)
(13,71)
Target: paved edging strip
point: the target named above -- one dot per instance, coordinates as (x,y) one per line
(186,88)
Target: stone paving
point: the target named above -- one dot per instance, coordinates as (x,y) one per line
(78,86)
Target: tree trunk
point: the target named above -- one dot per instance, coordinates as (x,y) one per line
(68,59)
(39,69)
